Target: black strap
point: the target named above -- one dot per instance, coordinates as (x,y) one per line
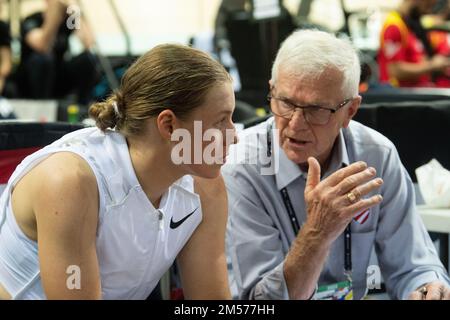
(348,249)
(296,228)
(290,210)
(269,140)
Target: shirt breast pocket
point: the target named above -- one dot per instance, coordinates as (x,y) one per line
(362,248)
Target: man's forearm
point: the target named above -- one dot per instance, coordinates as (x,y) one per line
(304,263)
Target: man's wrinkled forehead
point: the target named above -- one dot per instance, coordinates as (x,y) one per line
(328,77)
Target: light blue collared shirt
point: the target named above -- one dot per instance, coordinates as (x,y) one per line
(260,233)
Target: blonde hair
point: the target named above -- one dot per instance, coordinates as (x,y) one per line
(173,77)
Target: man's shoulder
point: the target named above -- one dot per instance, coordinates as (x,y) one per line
(364,139)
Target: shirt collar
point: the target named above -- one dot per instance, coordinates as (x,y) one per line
(339,156)
(290,171)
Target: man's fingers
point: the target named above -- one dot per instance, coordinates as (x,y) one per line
(343,173)
(313,174)
(364,204)
(361,191)
(435,291)
(369,186)
(355,180)
(446,293)
(416,295)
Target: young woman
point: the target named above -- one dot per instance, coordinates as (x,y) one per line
(103,212)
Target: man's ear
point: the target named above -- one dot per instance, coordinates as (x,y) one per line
(165,123)
(351,110)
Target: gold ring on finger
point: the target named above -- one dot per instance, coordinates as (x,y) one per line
(351,197)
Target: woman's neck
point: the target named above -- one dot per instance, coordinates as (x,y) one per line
(154,169)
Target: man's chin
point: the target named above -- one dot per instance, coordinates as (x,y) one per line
(303,166)
(299,159)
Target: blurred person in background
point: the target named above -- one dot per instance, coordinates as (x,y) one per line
(409,56)
(6,111)
(47,69)
(5,54)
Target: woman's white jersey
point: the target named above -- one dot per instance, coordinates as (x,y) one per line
(136,243)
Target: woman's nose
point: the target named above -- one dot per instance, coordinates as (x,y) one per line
(234,135)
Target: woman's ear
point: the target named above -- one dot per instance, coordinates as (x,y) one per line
(166,123)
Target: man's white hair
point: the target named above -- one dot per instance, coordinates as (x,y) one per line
(311,52)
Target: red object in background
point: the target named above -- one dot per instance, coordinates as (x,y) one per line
(363,87)
(399,44)
(10,159)
(176,294)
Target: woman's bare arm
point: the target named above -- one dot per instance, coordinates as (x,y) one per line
(63,194)
(202,261)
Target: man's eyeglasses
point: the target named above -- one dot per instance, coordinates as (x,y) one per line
(313,114)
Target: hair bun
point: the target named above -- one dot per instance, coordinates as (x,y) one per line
(106,114)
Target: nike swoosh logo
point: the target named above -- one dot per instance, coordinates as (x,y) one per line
(176,224)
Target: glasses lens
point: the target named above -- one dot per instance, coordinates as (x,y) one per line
(317,115)
(282,109)
(313,115)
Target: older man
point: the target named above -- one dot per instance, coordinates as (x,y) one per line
(312,192)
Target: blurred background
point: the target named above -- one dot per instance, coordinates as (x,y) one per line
(59,56)
(121,30)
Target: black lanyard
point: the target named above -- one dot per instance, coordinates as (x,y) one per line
(290,210)
(296,229)
(296,225)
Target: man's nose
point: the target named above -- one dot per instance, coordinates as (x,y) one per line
(298,120)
